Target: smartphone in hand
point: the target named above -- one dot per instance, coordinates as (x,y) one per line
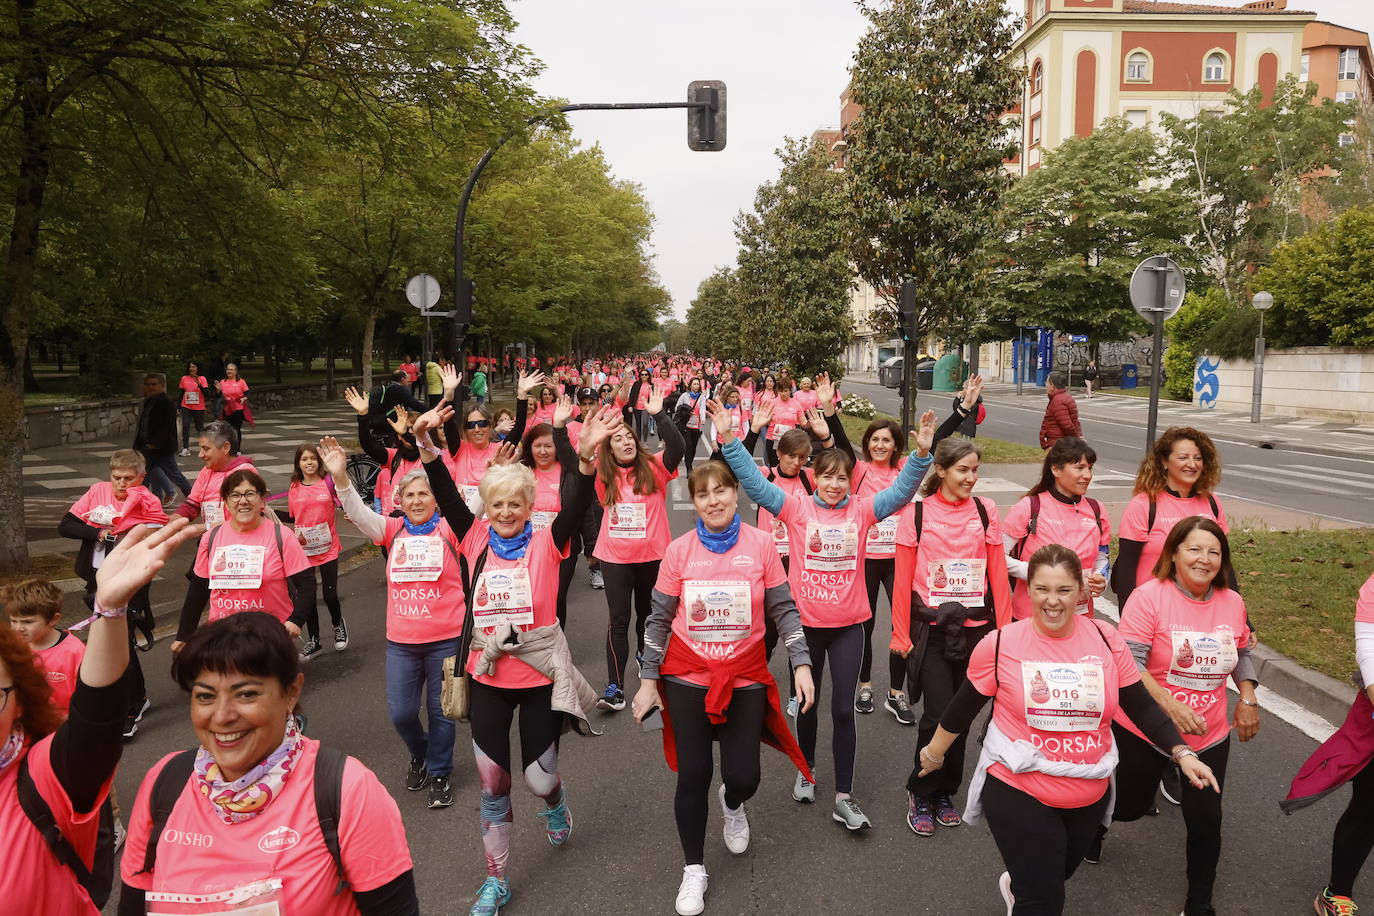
(652,721)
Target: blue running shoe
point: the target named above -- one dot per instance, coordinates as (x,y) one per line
(612,699)
(491,896)
(558,822)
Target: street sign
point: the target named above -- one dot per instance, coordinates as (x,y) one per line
(1157,286)
(1078,338)
(422,291)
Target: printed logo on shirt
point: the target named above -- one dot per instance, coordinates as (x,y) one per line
(742,561)
(183,838)
(279,839)
(57,677)
(973,523)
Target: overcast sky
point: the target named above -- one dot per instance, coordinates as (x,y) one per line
(784,63)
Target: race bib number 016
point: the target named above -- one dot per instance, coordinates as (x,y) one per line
(1063,697)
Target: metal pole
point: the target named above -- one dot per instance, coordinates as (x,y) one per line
(908,378)
(1019,358)
(1158,368)
(1256,387)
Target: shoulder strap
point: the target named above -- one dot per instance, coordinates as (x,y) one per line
(1097,625)
(1216,510)
(1030,526)
(982,513)
(210,544)
(1097,512)
(39,812)
(329,769)
(918,517)
(468,582)
(806,483)
(167,789)
(1150,522)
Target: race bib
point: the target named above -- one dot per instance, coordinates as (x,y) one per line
(1063,697)
(260,898)
(831,548)
(416,559)
(956,580)
(318,538)
(541,520)
(1201,661)
(213,512)
(717,611)
(628,520)
(693,420)
(780,538)
(102,516)
(469,493)
(192,398)
(882,537)
(503,596)
(237,566)
(776,430)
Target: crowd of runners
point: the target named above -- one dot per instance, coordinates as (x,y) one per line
(484,514)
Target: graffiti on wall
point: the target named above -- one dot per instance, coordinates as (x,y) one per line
(1109,355)
(1206,385)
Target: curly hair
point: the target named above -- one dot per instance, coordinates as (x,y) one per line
(1152,479)
(37,713)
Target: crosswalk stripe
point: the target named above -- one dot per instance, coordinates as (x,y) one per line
(1320,484)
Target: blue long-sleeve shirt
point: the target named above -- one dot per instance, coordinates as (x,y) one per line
(771,497)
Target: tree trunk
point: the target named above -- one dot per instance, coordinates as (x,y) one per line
(17,303)
(369,332)
(329,370)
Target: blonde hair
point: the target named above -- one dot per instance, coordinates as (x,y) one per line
(128,458)
(505,481)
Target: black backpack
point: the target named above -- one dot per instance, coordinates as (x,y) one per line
(99,878)
(329,768)
(1150,524)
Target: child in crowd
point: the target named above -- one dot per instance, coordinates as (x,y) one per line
(34,606)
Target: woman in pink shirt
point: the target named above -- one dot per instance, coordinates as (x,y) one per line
(632,488)
(473,449)
(219,452)
(787,414)
(549,452)
(193,388)
(807,395)
(1176,480)
(826,530)
(310,500)
(234,390)
(1188,631)
(1043,775)
(251,796)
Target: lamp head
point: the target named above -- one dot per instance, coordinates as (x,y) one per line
(1262,301)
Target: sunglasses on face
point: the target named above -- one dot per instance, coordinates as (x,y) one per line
(477,424)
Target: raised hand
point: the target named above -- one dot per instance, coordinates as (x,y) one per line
(504,455)
(527,382)
(816,421)
(334,458)
(763,415)
(598,427)
(562,411)
(432,419)
(720,418)
(654,405)
(825,389)
(973,389)
(925,436)
(402,421)
(355,399)
(450,377)
(505,424)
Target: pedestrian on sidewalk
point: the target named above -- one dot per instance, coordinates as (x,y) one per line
(478,387)
(156,439)
(1061,413)
(1090,376)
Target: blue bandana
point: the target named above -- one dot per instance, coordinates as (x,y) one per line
(825,505)
(510,548)
(719,541)
(422,528)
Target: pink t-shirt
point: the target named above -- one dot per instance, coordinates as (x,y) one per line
(1058,693)
(721,612)
(951,559)
(523,593)
(543,414)
(634,529)
(469,466)
(791,486)
(248,572)
(233,390)
(1074,526)
(98,506)
(192,398)
(1193,648)
(312,507)
(31,872)
(61,663)
(199,854)
(786,415)
(548,496)
(827,556)
(424,583)
(808,400)
(872,479)
(1364,604)
(205,490)
(388,484)
(1169,511)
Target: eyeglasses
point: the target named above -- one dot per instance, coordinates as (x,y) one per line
(477,424)
(5,696)
(243,496)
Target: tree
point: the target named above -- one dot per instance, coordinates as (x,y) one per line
(934,79)
(794,276)
(1323,284)
(1077,227)
(1188,331)
(715,316)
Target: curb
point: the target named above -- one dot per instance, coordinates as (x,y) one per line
(1318,693)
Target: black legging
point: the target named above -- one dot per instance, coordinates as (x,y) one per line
(641,424)
(235,419)
(842,646)
(1137,780)
(329,584)
(566,569)
(739,737)
(879,571)
(941,678)
(1041,846)
(626,583)
(188,418)
(1354,835)
(693,440)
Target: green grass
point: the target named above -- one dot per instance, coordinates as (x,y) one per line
(995,451)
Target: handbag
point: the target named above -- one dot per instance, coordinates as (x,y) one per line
(454,699)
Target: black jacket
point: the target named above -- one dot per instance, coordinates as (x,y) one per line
(156,434)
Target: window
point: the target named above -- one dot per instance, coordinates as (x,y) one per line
(1214,70)
(1306,65)
(1345,96)
(1347,139)
(1137,117)
(1037,78)
(1349,66)
(1039,8)
(1035,131)
(1138,67)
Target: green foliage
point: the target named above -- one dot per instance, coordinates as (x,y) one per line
(1187,330)
(856,405)
(713,320)
(1077,227)
(1323,284)
(934,79)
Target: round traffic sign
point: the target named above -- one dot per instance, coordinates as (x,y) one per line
(422,290)
(1158,287)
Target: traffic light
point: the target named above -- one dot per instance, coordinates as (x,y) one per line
(706,119)
(907,311)
(463,313)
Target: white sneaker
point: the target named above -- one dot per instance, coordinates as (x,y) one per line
(1004,885)
(691,895)
(736,826)
(185,453)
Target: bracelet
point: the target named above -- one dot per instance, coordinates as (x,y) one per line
(1186,752)
(97,613)
(1244,702)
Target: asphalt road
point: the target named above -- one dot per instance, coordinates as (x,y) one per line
(624,856)
(1323,487)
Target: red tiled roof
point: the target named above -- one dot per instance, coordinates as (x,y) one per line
(1149,6)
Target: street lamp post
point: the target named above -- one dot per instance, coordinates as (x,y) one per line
(1262,302)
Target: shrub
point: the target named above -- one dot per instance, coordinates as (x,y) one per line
(854,405)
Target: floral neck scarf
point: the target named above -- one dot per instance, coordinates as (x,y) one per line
(13,746)
(250,794)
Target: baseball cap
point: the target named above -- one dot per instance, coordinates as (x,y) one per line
(586,394)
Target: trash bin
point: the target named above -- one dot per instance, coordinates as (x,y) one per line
(1130,375)
(925,375)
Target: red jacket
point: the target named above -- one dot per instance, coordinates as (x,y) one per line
(1061,419)
(1338,760)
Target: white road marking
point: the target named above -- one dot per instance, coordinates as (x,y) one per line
(49,469)
(67,483)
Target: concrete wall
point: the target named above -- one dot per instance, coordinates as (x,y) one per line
(114,420)
(1332,383)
